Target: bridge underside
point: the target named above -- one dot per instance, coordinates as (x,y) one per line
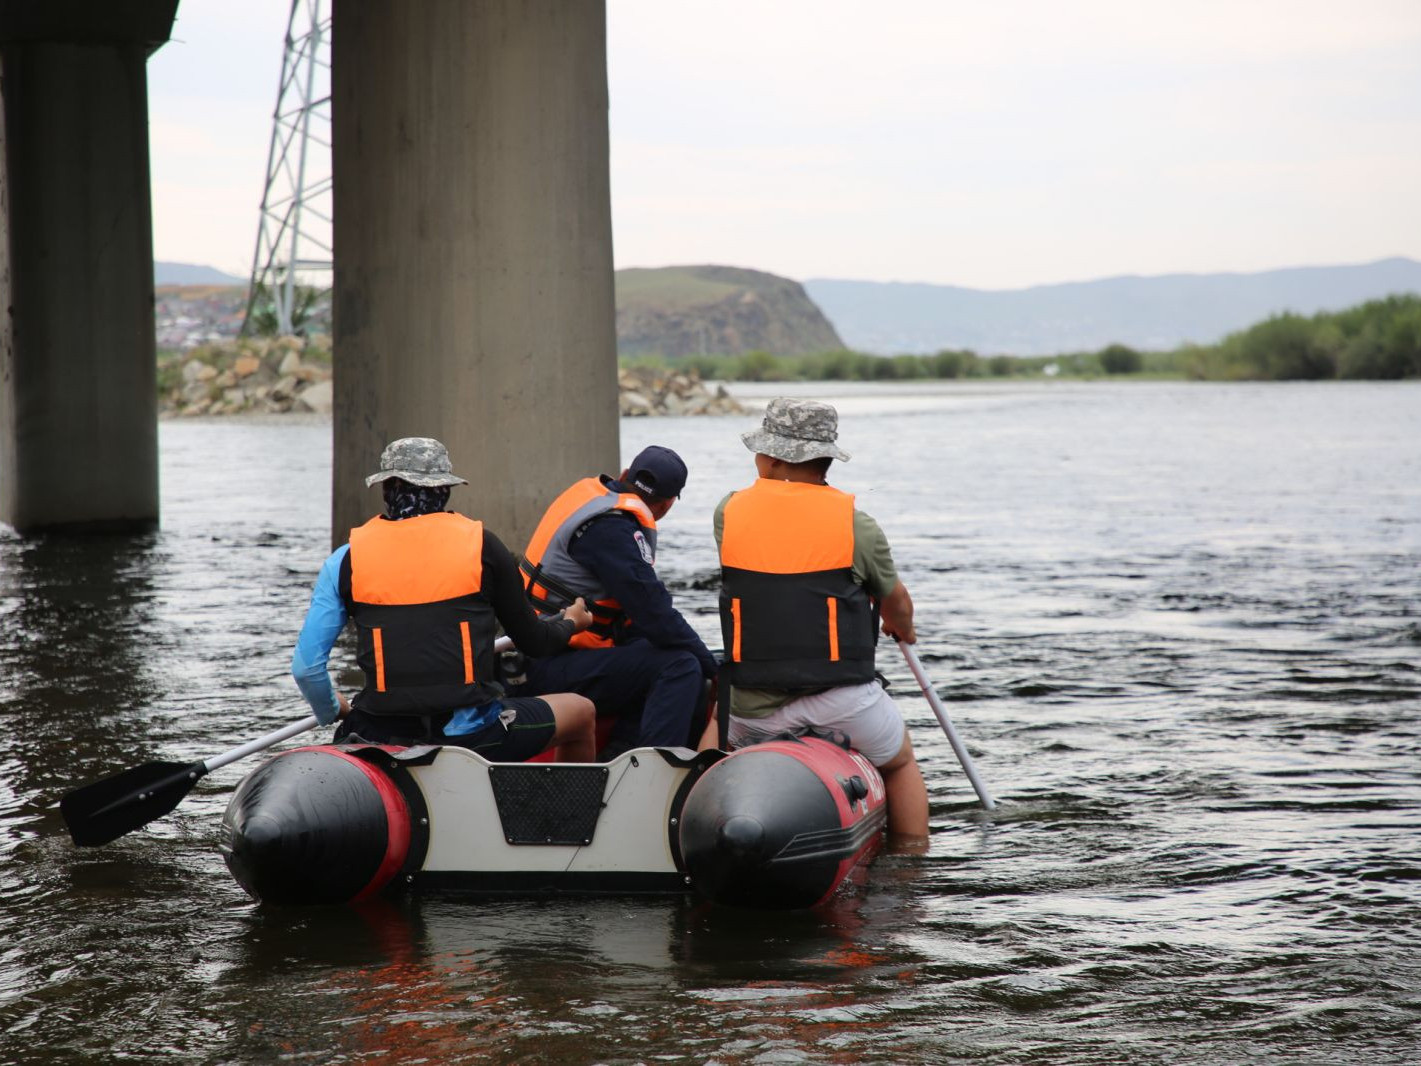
(473,258)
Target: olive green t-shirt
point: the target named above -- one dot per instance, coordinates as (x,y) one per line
(872,568)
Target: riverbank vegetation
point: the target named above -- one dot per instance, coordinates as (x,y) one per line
(1380,339)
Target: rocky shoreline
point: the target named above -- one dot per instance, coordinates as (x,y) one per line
(251,376)
(286,374)
(655,391)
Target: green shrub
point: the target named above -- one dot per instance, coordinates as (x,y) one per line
(827,366)
(1378,339)
(1385,344)
(1120,359)
(170,371)
(949,364)
(761,366)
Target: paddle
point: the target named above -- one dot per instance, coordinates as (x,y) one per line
(938,709)
(105,810)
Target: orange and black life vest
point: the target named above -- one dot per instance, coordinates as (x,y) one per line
(424,628)
(791,614)
(553,578)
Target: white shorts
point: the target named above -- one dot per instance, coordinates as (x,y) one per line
(866,714)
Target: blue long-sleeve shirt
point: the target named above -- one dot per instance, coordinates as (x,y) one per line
(607,546)
(325,619)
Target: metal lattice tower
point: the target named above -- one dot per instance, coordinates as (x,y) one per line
(292,266)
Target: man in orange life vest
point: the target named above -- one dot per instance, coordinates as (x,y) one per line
(598,541)
(804,578)
(425,587)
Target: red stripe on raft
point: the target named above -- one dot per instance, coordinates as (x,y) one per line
(397,824)
(829,762)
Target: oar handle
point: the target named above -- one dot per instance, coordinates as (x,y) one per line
(938,709)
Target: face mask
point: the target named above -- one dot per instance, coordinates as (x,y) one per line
(403,500)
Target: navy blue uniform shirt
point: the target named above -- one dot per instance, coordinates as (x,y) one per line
(608,547)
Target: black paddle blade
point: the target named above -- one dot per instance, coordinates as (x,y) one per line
(107,809)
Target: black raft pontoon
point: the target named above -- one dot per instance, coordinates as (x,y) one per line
(776,825)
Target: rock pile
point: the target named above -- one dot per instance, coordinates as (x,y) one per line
(654,391)
(269,376)
(274,376)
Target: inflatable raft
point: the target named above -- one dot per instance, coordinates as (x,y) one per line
(777,825)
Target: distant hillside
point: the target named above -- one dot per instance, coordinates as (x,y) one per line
(693,310)
(191,274)
(1154,313)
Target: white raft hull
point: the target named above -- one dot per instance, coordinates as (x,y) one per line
(775,825)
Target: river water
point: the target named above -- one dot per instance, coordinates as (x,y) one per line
(1179,626)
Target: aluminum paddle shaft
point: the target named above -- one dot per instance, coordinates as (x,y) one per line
(938,709)
(105,810)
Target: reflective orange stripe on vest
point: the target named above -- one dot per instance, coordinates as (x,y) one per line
(468,652)
(735,623)
(379,638)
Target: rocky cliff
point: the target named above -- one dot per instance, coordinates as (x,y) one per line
(717,310)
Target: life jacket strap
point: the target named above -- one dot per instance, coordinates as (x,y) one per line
(605,619)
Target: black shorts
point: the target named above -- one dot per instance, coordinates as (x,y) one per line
(529,731)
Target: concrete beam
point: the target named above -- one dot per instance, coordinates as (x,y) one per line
(143,22)
(473,249)
(78,395)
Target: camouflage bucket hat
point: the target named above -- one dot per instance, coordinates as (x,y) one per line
(796,431)
(417,460)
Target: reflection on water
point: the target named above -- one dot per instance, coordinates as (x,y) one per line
(596,981)
(1178,626)
(75,613)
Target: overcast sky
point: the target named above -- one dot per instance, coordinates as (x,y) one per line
(992,146)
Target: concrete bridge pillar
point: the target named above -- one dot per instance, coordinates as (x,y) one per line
(473,249)
(78,396)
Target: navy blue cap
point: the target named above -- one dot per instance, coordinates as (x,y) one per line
(658,471)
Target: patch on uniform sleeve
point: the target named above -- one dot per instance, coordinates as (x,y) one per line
(642,546)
